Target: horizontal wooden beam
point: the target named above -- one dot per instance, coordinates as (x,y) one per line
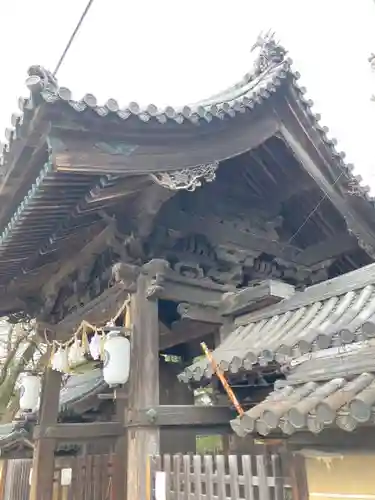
(222,232)
(255,297)
(93,248)
(97,312)
(184,148)
(79,432)
(164,283)
(195,312)
(317,167)
(185,331)
(330,248)
(179,415)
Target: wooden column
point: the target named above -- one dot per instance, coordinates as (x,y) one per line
(119,483)
(298,476)
(172,392)
(143,385)
(44,451)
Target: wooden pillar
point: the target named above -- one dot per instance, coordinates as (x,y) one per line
(119,483)
(143,386)
(44,451)
(298,476)
(173,392)
(3,476)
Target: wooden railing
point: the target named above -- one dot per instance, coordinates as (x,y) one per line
(207,477)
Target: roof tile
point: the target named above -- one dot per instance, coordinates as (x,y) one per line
(345,403)
(308,321)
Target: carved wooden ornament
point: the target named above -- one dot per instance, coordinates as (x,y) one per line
(188,178)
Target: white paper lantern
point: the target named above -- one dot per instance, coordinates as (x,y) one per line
(29,393)
(116,359)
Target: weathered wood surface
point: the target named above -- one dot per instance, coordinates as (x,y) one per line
(92,479)
(81,155)
(300,488)
(318,164)
(231,477)
(179,415)
(205,314)
(255,297)
(348,282)
(221,232)
(43,460)
(330,248)
(185,331)
(164,283)
(79,432)
(90,251)
(144,385)
(174,439)
(97,312)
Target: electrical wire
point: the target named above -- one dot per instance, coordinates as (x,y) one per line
(324,197)
(72,36)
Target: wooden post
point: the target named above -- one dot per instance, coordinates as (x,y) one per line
(143,385)
(119,483)
(298,476)
(3,477)
(44,451)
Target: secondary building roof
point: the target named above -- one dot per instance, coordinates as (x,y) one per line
(332,313)
(76,397)
(337,390)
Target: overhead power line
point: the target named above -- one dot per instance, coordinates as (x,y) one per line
(73,35)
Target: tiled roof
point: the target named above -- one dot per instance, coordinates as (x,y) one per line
(333,313)
(80,387)
(343,402)
(77,389)
(271,69)
(26,231)
(12,434)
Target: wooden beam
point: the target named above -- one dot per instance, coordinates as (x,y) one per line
(222,232)
(185,147)
(330,248)
(166,284)
(79,432)
(90,251)
(299,143)
(97,312)
(180,415)
(266,293)
(349,282)
(44,451)
(204,314)
(185,331)
(144,385)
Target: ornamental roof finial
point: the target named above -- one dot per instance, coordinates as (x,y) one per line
(271,51)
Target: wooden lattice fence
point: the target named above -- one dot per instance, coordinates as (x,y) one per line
(91,478)
(220,477)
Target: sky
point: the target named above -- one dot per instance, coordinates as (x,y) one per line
(177,52)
